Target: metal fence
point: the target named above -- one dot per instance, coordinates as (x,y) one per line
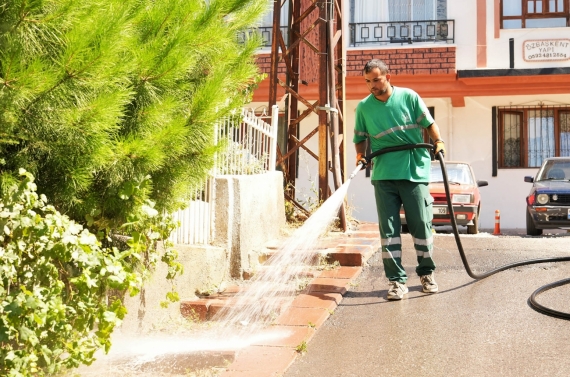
(403,32)
(266,33)
(249,146)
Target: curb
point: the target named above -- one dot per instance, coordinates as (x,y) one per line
(310,309)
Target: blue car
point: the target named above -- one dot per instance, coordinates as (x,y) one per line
(548,203)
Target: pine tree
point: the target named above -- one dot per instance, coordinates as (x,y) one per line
(110,102)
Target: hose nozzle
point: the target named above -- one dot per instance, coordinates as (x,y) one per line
(359,167)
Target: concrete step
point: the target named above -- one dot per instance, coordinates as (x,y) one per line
(308,272)
(205,308)
(344,256)
(352,251)
(268,252)
(334,280)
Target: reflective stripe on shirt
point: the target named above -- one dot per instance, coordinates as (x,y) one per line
(421,117)
(388,131)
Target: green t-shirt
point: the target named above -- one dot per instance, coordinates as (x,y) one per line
(399,121)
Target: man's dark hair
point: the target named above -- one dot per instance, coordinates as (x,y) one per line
(376,63)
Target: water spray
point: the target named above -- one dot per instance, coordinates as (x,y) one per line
(276,284)
(532,300)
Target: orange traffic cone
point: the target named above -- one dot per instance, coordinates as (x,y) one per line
(497,223)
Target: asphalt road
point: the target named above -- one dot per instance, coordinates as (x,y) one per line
(470,328)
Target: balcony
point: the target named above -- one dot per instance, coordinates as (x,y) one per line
(403,32)
(266,33)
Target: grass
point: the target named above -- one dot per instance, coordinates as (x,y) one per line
(302,347)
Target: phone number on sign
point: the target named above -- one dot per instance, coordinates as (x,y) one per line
(548,55)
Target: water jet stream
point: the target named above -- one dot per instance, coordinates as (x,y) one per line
(276,285)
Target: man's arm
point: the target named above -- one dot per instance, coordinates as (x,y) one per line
(360,151)
(433,132)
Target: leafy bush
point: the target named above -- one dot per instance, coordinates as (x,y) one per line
(55,311)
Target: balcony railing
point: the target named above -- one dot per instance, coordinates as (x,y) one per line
(403,32)
(266,33)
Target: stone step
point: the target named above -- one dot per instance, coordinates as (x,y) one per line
(346,250)
(335,280)
(206,308)
(353,251)
(268,252)
(345,255)
(308,272)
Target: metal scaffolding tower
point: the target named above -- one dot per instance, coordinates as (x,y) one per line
(314,56)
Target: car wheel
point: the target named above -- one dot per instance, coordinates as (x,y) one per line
(405,228)
(530,228)
(474,229)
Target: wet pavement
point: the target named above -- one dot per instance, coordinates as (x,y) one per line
(341,325)
(470,328)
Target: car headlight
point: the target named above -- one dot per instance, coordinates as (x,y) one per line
(542,198)
(461,198)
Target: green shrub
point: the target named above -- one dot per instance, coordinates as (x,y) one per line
(55,311)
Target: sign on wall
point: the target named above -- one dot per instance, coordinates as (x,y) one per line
(546,50)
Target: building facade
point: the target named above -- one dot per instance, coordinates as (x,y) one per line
(495,73)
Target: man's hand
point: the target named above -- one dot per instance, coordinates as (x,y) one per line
(439,146)
(361,160)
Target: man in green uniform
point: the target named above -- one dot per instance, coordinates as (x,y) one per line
(394,116)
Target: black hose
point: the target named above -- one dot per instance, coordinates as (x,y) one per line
(397,148)
(543,309)
(532,300)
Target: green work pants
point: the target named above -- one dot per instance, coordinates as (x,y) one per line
(415,197)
